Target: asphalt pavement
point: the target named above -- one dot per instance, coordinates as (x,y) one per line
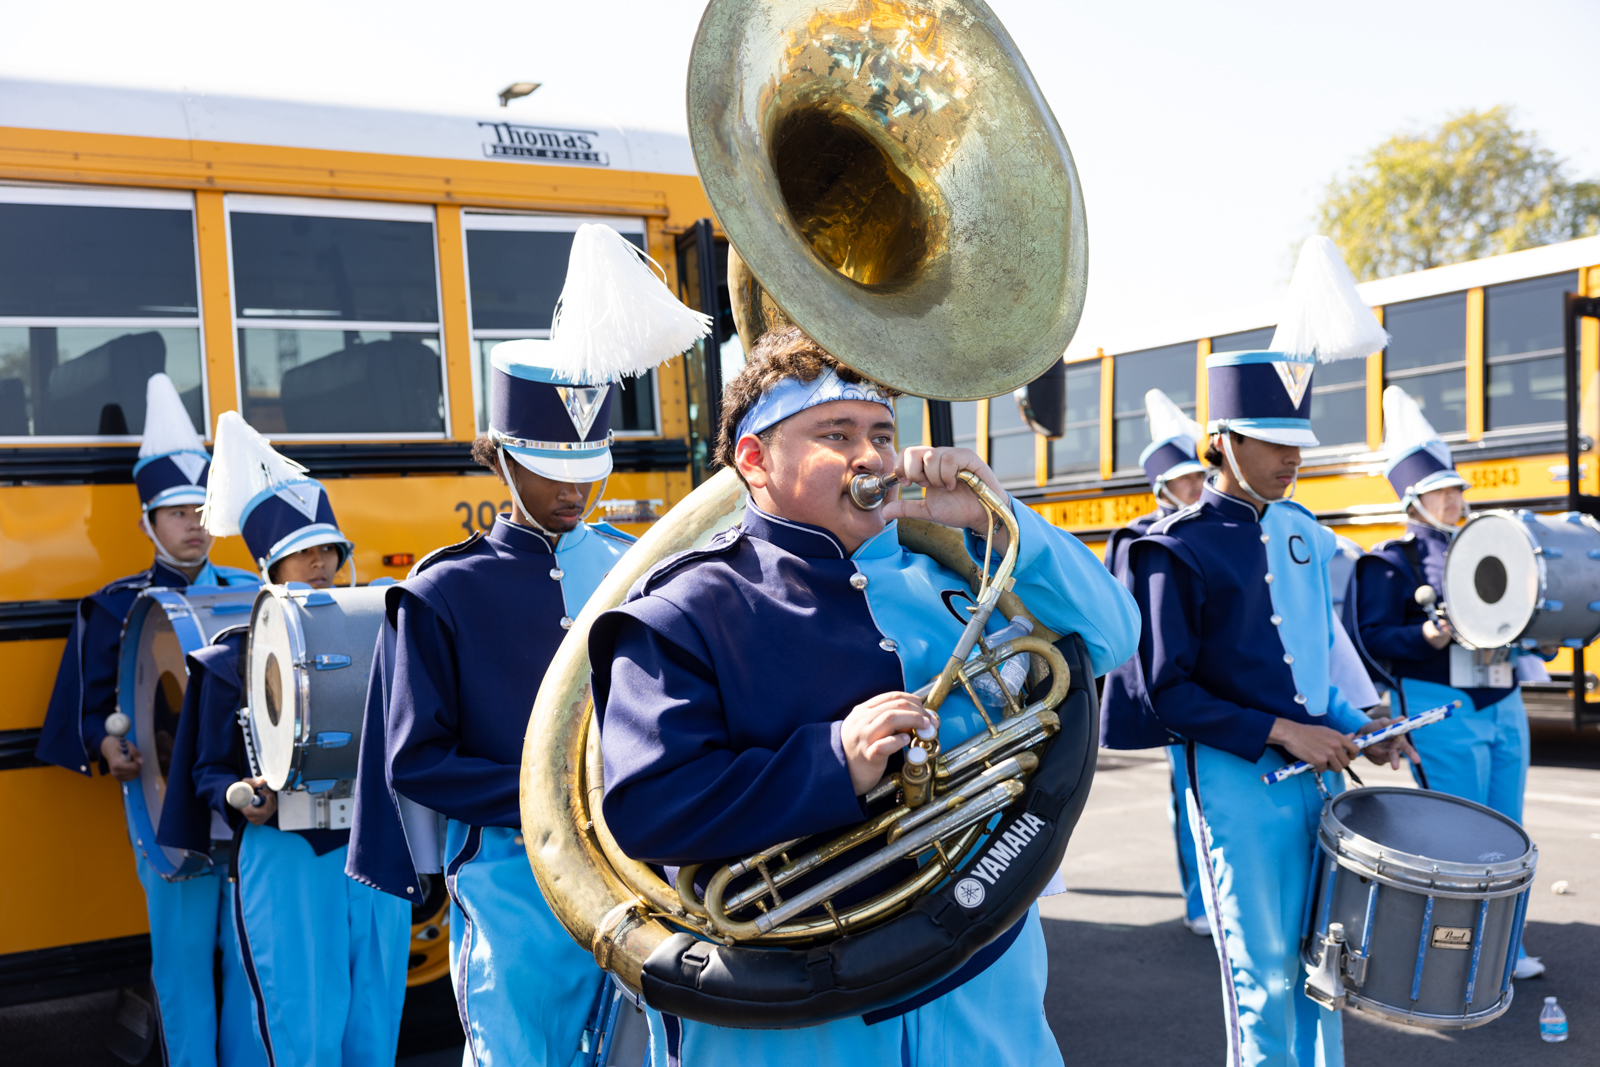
(1130,985)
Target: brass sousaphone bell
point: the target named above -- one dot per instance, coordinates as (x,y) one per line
(892,182)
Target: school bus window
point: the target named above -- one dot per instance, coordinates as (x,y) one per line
(1524,381)
(1339,403)
(337,308)
(1010,441)
(98,291)
(964,419)
(908,417)
(1259,340)
(1427,356)
(516,267)
(1077,451)
(1172,370)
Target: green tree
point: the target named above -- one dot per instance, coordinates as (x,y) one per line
(1474,186)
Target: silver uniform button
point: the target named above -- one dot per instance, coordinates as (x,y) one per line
(1265,538)
(557,573)
(566,623)
(1299,698)
(888,644)
(1269,579)
(858,580)
(1276,620)
(517,839)
(1288,658)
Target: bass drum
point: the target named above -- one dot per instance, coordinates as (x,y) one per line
(164,626)
(1517,577)
(310,656)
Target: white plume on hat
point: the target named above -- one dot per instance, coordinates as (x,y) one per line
(616,318)
(242,465)
(1324,316)
(1406,428)
(166,421)
(1167,419)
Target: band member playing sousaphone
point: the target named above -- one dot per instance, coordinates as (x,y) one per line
(324,957)
(1235,656)
(469,636)
(1481,752)
(755,690)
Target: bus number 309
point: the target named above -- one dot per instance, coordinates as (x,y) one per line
(483,515)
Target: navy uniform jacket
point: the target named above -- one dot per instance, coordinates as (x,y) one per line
(470,633)
(1228,645)
(86,684)
(208,754)
(723,681)
(1126,718)
(1385,615)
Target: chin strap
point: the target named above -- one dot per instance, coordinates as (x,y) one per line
(1162,496)
(1233,464)
(161,551)
(516,497)
(1414,500)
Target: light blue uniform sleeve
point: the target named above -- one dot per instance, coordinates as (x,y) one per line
(1067,588)
(1343,715)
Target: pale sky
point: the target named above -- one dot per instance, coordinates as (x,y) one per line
(1204,133)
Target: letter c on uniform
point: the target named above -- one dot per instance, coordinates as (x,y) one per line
(1296,539)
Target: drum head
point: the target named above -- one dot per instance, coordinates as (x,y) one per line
(276,700)
(1491,580)
(160,678)
(1439,827)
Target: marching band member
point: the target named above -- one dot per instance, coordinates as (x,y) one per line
(1235,654)
(1481,752)
(1176,477)
(325,956)
(170,475)
(470,633)
(706,757)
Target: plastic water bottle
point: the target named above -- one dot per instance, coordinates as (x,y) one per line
(1552,1021)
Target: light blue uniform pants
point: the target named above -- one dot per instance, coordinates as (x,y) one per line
(524,988)
(996,1020)
(325,955)
(1255,871)
(185,932)
(1194,902)
(1479,754)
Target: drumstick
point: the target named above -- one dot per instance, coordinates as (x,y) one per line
(1394,729)
(118,725)
(243,795)
(1429,600)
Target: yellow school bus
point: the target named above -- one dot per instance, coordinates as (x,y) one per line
(338,276)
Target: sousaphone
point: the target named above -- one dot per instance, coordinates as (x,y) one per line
(893,182)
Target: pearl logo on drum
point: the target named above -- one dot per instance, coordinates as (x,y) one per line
(1452,937)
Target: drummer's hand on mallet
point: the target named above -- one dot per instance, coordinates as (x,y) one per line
(1391,750)
(878,728)
(258,804)
(1438,634)
(122,758)
(1325,749)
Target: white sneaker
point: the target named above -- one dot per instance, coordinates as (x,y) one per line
(1528,967)
(1201,927)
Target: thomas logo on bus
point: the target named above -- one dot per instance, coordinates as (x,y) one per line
(544,143)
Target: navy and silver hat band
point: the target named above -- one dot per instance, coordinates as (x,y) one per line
(528,408)
(1252,391)
(1420,470)
(1162,459)
(162,480)
(273,526)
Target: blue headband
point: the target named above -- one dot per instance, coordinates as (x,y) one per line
(791,396)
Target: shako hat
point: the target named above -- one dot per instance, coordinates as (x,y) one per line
(1174,441)
(1416,459)
(550,401)
(267,498)
(1267,394)
(173,463)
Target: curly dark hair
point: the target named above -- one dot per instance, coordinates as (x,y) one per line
(782,352)
(486,453)
(1213,454)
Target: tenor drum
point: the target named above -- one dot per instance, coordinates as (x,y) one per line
(164,626)
(1430,891)
(1517,577)
(310,655)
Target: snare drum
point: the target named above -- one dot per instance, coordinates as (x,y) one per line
(310,655)
(1517,577)
(164,626)
(1430,892)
